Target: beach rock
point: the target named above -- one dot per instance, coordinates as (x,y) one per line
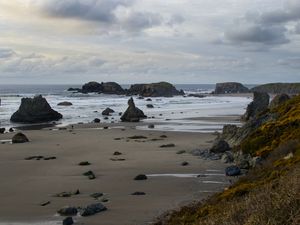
(97,120)
(259,104)
(67,211)
(117,153)
(68,221)
(230,88)
(138,193)
(11,130)
(150,106)
(92,87)
(232,171)
(19,138)
(92,209)
(107,111)
(35,110)
(2,130)
(90,174)
(84,163)
(141,177)
(161,89)
(220,146)
(132,114)
(167,146)
(151,126)
(278,100)
(184,163)
(65,104)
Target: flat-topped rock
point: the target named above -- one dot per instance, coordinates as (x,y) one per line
(35,110)
(105,88)
(230,88)
(161,89)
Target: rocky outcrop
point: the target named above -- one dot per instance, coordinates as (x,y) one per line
(105,88)
(259,104)
(65,104)
(35,110)
(230,88)
(161,89)
(107,111)
(132,114)
(278,100)
(19,138)
(220,146)
(278,88)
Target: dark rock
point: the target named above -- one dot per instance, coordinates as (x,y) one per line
(141,177)
(232,171)
(161,89)
(259,104)
(167,146)
(105,88)
(196,95)
(45,203)
(117,153)
(96,195)
(35,110)
(132,114)
(19,138)
(49,158)
(140,97)
(230,88)
(107,111)
(75,89)
(97,120)
(150,106)
(92,87)
(92,209)
(65,104)
(137,137)
(184,163)
(149,100)
(138,193)
(68,211)
(84,163)
(68,221)
(11,130)
(180,152)
(2,130)
(220,146)
(90,174)
(278,100)
(163,136)
(151,126)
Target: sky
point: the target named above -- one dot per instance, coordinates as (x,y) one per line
(134,41)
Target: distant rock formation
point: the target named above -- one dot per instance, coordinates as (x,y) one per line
(132,114)
(105,88)
(259,104)
(161,89)
(35,110)
(65,104)
(278,88)
(230,88)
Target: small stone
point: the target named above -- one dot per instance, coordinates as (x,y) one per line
(45,203)
(92,209)
(184,163)
(180,152)
(90,175)
(84,163)
(117,153)
(150,106)
(141,177)
(167,146)
(151,126)
(68,221)
(138,193)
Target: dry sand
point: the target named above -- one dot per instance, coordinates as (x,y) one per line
(27,183)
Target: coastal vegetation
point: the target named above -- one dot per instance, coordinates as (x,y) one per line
(269,193)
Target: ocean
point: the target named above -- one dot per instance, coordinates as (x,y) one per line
(173,114)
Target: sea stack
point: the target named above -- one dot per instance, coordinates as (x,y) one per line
(230,88)
(132,114)
(35,110)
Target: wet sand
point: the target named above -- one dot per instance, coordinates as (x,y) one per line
(27,183)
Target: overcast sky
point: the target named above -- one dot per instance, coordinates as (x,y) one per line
(128,41)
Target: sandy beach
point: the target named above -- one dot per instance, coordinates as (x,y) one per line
(28,183)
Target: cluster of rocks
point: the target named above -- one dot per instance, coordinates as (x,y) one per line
(161,89)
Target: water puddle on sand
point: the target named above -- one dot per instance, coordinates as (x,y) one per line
(188,175)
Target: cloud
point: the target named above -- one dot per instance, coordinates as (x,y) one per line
(6,53)
(292,62)
(273,35)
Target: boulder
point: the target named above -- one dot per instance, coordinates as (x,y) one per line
(68,221)
(2,130)
(97,120)
(232,171)
(141,177)
(65,104)
(220,146)
(67,211)
(230,88)
(107,111)
(19,138)
(35,110)
(132,114)
(150,106)
(161,89)
(92,209)
(278,100)
(259,104)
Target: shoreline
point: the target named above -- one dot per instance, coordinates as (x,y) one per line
(141,156)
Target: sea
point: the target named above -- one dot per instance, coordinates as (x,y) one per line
(189,114)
